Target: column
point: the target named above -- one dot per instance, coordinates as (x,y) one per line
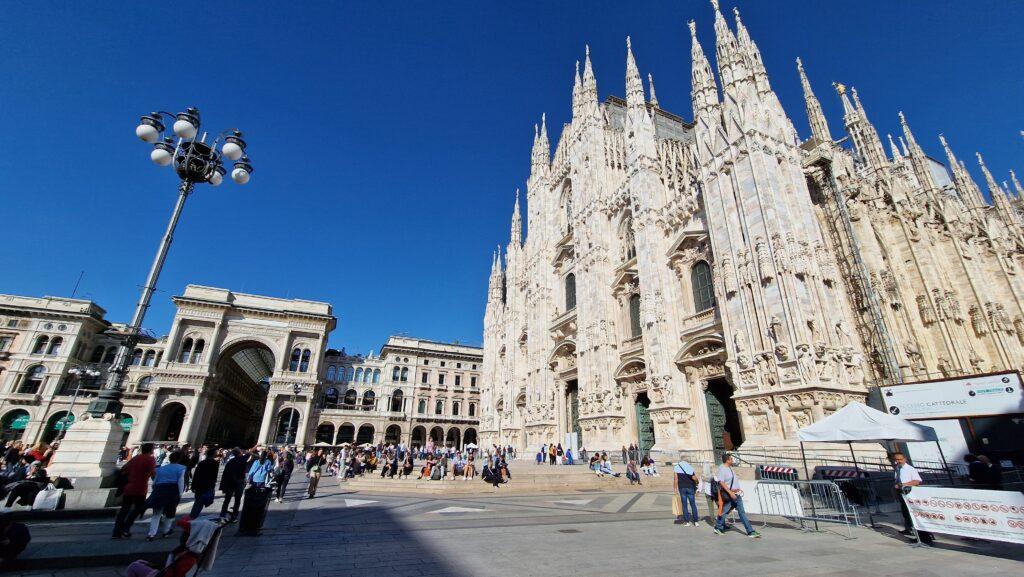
(140,430)
(195,419)
(268,418)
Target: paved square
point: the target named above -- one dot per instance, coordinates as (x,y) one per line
(345,533)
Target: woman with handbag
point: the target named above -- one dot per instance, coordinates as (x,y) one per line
(313,468)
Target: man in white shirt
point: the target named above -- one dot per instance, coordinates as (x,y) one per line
(906,477)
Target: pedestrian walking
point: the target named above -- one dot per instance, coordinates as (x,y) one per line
(313,468)
(685,483)
(283,473)
(135,474)
(232,484)
(168,485)
(204,482)
(730,497)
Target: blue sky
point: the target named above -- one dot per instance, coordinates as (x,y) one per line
(388,139)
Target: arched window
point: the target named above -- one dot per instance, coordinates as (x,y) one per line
(331,372)
(293,363)
(197,352)
(472,409)
(359,374)
(455,408)
(629,241)
(33,380)
(186,351)
(395,373)
(570,292)
(97,354)
(41,343)
(376,376)
(405,374)
(143,385)
(137,357)
(149,359)
(703,289)
(55,345)
(396,402)
(368,399)
(366,375)
(439,408)
(350,398)
(421,407)
(634,315)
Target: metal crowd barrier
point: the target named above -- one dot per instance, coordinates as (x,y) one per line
(776,473)
(807,501)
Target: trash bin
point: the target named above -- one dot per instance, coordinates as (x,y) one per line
(254,510)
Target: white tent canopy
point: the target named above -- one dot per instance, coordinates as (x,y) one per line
(858,423)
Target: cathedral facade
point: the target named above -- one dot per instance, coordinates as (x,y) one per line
(721,282)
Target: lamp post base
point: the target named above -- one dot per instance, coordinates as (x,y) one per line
(88,453)
(108,402)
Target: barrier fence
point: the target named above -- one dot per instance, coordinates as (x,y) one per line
(806,501)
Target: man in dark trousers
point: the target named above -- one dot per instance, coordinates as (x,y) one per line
(204,482)
(907,477)
(136,474)
(232,483)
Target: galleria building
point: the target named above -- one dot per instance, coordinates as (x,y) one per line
(235,369)
(710,283)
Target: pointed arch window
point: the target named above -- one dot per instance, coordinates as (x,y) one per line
(570,292)
(636,329)
(41,344)
(293,363)
(55,345)
(186,351)
(701,284)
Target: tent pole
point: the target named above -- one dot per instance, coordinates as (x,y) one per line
(803,455)
(945,465)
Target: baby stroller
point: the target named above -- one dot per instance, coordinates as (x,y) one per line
(197,551)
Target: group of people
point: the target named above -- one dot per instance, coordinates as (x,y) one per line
(429,462)
(983,473)
(175,471)
(553,454)
(23,472)
(724,492)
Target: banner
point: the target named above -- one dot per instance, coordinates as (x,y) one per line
(997,394)
(992,515)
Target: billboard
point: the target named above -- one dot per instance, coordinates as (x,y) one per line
(979,514)
(995,394)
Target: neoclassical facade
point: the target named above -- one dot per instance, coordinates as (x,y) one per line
(235,369)
(721,281)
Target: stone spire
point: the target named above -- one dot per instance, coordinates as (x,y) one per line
(540,157)
(577,92)
(896,156)
(517,224)
(993,187)
(919,160)
(1016,185)
(865,137)
(654,96)
(704,89)
(965,185)
(815,116)
(731,68)
(634,87)
(751,55)
(588,96)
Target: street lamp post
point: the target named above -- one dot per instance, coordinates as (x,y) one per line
(195,162)
(296,389)
(80,375)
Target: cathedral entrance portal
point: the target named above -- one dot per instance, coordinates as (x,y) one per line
(723,419)
(572,412)
(239,394)
(644,424)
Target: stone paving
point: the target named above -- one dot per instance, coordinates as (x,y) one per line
(594,533)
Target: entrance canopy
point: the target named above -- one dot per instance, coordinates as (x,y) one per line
(858,423)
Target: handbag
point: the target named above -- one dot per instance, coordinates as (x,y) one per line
(677,505)
(48,499)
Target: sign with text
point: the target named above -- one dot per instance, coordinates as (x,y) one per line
(993,515)
(997,394)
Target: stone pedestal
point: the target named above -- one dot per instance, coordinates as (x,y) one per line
(88,453)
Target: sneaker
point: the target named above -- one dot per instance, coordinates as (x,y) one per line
(679,522)
(754,535)
(719,531)
(694,523)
